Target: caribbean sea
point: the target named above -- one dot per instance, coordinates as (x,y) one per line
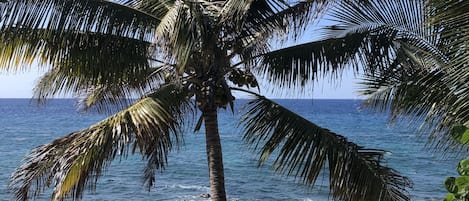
(24,126)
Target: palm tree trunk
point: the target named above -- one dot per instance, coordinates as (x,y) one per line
(214,156)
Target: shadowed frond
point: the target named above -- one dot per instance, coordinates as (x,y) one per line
(105,97)
(107,17)
(426,82)
(156,8)
(421,90)
(151,126)
(112,96)
(266,20)
(272,17)
(368,35)
(421,96)
(303,149)
(404,17)
(402,90)
(252,17)
(80,61)
(84,54)
(298,65)
(364,15)
(451,16)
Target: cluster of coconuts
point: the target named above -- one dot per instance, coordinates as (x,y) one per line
(223,97)
(243,78)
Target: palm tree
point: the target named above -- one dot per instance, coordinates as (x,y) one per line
(428,80)
(182,58)
(450,17)
(434,90)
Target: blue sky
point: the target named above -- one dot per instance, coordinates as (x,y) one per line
(20,85)
(17,85)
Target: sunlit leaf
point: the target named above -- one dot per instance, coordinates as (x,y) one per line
(70,163)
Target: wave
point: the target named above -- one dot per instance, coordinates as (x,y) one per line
(185,187)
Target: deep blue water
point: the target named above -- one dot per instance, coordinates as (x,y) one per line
(24,126)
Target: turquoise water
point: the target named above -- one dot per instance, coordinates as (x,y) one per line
(24,126)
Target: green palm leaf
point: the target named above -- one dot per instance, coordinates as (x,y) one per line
(368,36)
(151,126)
(236,10)
(420,96)
(264,21)
(80,37)
(303,149)
(426,82)
(109,96)
(105,97)
(108,17)
(298,65)
(80,55)
(269,17)
(451,17)
(156,8)
(82,65)
(404,18)
(180,30)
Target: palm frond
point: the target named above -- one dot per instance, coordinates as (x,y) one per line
(380,85)
(105,97)
(235,11)
(368,36)
(424,98)
(84,54)
(370,14)
(156,8)
(251,17)
(107,17)
(152,126)
(80,61)
(276,17)
(403,92)
(297,66)
(451,17)
(303,149)
(405,18)
(266,20)
(426,81)
(179,31)
(111,96)
(420,95)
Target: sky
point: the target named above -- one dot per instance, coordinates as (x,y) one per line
(20,85)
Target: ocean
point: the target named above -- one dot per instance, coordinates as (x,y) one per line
(24,125)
